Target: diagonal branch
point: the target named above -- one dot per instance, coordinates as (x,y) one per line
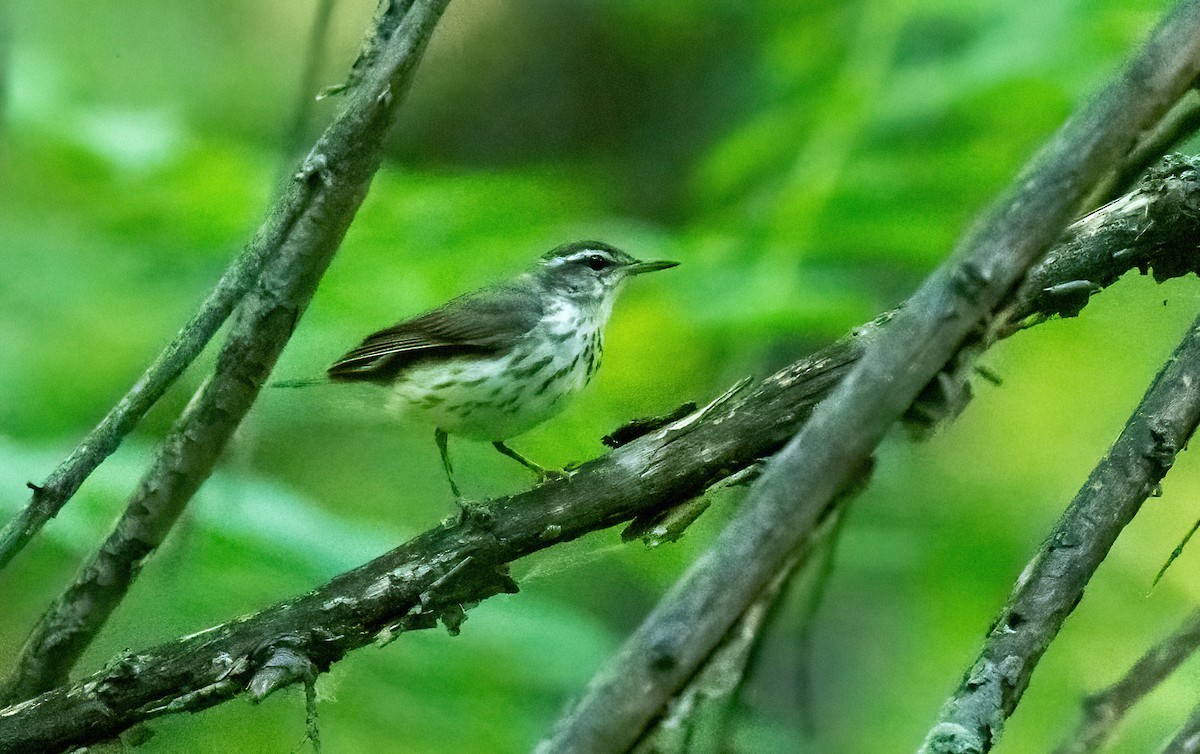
(292,206)
(314,59)
(697,719)
(1179,124)
(1144,230)
(435,575)
(329,188)
(1052,584)
(1187,739)
(1103,711)
(51,495)
(923,338)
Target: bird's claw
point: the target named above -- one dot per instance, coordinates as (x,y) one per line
(553,475)
(469,512)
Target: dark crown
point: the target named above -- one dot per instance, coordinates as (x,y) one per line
(581,251)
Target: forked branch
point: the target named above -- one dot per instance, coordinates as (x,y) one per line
(1103,711)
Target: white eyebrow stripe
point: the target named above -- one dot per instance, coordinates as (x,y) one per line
(579,256)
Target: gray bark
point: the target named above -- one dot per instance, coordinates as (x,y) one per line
(300,238)
(438,575)
(926,335)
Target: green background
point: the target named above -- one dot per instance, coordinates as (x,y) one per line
(808,163)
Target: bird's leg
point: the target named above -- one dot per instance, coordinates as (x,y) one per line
(467,512)
(440,438)
(542,473)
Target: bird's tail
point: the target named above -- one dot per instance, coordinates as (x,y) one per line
(302,383)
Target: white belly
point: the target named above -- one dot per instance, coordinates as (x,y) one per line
(495,399)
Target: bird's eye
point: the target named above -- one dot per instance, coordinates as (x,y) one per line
(595,261)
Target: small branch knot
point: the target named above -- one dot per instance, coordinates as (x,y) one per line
(284,666)
(1162,451)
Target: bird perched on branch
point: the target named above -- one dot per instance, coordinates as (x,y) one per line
(498,361)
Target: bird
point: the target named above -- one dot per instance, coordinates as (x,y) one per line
(498,361)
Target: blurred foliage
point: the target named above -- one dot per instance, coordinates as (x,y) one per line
(808,163)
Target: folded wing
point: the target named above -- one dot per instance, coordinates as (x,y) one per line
(487,322)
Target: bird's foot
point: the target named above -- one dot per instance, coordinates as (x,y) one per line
(552,475)
(473,513)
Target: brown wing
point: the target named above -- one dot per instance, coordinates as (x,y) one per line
(487,321)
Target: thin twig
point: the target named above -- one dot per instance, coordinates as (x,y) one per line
(800,482)
(57,489)
(312,731)
(333,179)
(1103,711)
(411,588)
(809,613)
(1052,584)
(1175,553)
(697,720)
(314,58)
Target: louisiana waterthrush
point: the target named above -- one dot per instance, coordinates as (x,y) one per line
(500,360)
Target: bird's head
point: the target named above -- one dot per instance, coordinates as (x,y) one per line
(591,271)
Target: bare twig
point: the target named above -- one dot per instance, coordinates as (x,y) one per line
(695,720)
(1175,553)
(1052,584)
(314,58)
(319,206)
(50,496)
(799,483)
(458,564)
(56,490)
(1103,711)
(312,732)
(813,600)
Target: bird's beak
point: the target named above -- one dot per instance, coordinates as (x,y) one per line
(653,265)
